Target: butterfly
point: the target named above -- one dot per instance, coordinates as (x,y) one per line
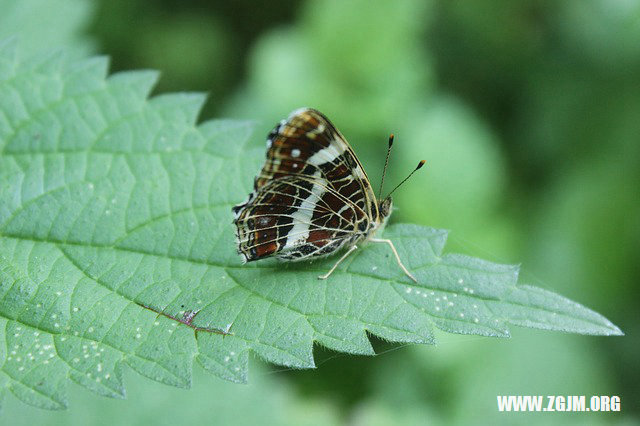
(312,197)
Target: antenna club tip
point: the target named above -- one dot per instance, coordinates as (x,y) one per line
(391,137)
(420,164)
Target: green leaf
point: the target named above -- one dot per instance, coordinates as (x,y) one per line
(116,248)
(269,400)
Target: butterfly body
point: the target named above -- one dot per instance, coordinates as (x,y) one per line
(312,197)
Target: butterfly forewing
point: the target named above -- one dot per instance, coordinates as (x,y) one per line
(312,196)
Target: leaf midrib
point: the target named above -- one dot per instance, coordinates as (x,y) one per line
(240,267)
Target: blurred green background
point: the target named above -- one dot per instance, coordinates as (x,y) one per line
(528,114)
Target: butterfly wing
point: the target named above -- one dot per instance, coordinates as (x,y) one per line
(311,197)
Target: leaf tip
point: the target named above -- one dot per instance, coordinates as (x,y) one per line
(615,330)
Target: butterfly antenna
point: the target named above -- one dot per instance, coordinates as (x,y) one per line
(386,163)
(420,164)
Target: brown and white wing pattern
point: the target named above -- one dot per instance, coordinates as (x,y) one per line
(312,196)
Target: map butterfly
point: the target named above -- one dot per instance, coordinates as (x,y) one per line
(312,197)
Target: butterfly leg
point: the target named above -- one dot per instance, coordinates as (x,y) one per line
(393,248)
(344,256)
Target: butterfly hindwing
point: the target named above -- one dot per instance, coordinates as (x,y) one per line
(283,220)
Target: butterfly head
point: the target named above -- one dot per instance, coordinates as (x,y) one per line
(384,208)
